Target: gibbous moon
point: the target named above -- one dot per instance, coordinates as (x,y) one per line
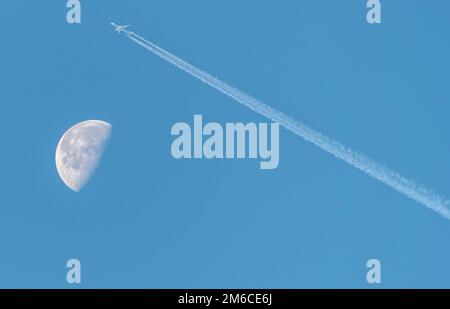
(79,152)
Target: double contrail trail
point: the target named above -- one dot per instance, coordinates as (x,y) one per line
(385,175)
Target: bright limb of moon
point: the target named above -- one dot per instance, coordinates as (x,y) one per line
(79,152)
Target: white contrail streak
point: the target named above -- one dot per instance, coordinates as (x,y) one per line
(387,176)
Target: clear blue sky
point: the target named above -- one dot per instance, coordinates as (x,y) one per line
(147,220)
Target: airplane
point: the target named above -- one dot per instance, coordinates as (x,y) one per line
(120,29)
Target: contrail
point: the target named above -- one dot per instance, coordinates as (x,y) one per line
(387,176)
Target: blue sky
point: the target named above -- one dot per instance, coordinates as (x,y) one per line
(146,220)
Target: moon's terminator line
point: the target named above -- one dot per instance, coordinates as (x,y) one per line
(383,174)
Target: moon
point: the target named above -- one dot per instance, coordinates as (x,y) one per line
(79,152)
